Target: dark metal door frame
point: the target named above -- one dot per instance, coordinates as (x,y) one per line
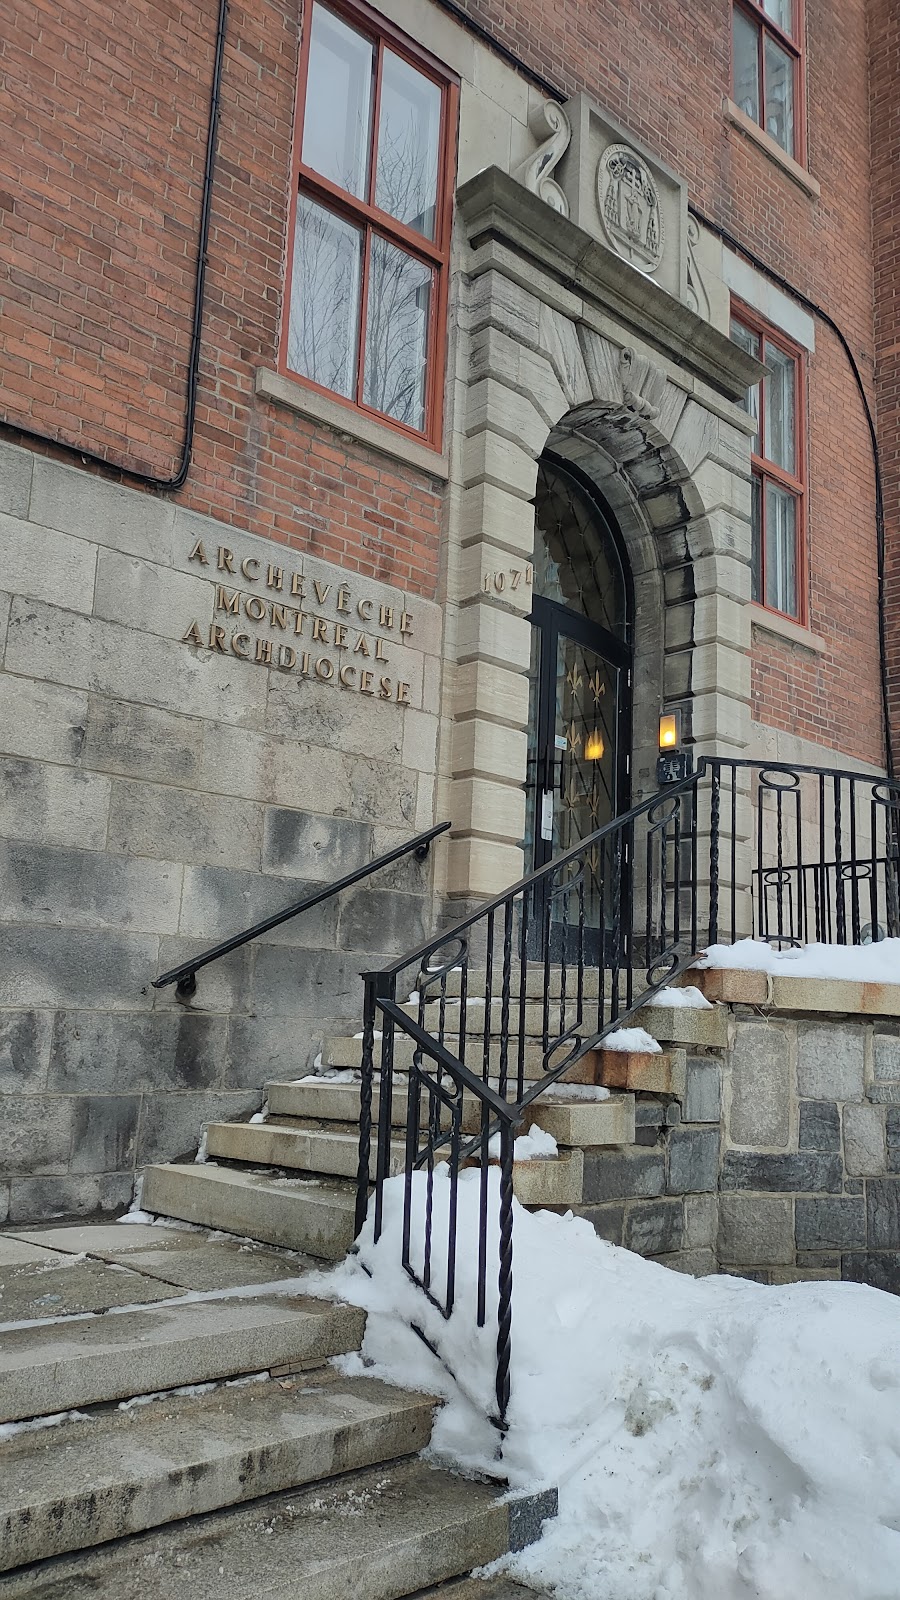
(554,621)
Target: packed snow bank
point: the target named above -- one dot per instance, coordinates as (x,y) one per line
(688,996)
(636,1040)
(535,1145)
(860,963)
(711,1439)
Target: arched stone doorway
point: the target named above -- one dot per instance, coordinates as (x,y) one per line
(580,678)
(610,374)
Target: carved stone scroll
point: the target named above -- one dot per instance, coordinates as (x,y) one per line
(535,172)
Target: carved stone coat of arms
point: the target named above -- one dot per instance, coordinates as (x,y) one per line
(629,207)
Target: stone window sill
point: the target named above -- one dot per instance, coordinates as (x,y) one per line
(783,628)
(354,424)
(803,179)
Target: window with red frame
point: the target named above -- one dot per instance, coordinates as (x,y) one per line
(767,60)
(776,404)
(370,228)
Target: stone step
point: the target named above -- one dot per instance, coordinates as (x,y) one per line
(331,1150)
(120,1472)
(378,1534)
(574,1122)
(684,1025)
(345,1053)
(293,1212)
(659,1072)
(87,1360)
(548,1181)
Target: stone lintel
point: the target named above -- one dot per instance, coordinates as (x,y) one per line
(494,205)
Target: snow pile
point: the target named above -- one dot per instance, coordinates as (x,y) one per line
(860,963)
(711,1439)
(688,996)
(535,1145)
(637,1040)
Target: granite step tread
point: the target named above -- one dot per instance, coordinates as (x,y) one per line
(574,1121)
(378,1534)
(314,1215)
(81,1361)
(332,1151)
(119,1472)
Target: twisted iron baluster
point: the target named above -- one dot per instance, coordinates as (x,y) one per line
(504,998)
(488,997)
(840,908)
(504,1307)
(854,881)
(523,992)
(367,1068)
(714,855)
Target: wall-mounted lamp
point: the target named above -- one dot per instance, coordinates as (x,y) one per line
(673,763)
(594,746)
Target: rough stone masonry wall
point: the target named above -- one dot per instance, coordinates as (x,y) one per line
(810,1173)
(658,1196)
(780,1161)
(156,796)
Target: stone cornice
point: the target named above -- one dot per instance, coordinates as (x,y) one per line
(494,206)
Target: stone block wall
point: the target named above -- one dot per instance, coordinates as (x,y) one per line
(781,1160)
(659,1197)
(163,784)
(810,1175)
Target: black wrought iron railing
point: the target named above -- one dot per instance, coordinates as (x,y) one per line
(185,976)
(500,1007)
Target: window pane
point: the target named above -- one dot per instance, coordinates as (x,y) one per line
(397,334)
(748,341)
(779,95)
(756,588)
(408,141)
(780,12)
(781,550)
(780,409)
(324,328)
(338,98)
(746,64)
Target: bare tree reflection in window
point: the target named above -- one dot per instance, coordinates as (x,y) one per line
(325,291)
(397,334)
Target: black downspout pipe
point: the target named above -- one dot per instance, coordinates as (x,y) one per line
(179,477)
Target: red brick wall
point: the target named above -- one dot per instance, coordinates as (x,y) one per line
(885,54)
(100,189)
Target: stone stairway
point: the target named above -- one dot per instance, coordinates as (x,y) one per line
(208,1448)
(290,1180)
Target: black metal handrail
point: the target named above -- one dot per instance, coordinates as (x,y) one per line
(573,950)
(185,976)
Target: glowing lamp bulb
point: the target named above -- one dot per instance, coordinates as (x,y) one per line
(669,731)
(594,746)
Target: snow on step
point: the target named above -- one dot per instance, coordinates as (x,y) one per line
(121,1472)
(297,1213)
(79,1361)
(375,1535)
(305,1149)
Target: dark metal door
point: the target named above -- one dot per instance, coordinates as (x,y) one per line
(579,742)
